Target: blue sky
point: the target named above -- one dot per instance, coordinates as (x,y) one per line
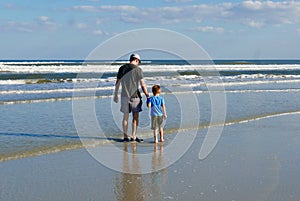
(57,29)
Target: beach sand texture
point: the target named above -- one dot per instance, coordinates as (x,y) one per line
(257,160)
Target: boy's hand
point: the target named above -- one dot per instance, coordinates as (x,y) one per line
(165,116)
(148,102)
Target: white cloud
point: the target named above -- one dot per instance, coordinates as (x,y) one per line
(43,18)
(98,21)
(256,14)
(260,13)
(8,6)
(80,25)
(85,8)
(298,31)
(46,23)
(254,24)
(90,26)
(267,5)
(178,1)
(97,32)
(14,6)
(42,23)
(209,29)
(252,5)
(130,19)
(17,26)
(121,8)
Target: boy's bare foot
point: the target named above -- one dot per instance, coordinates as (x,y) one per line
(155,139)
(162,140)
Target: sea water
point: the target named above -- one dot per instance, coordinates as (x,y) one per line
(37,98)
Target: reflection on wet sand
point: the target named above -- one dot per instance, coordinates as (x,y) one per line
(157,178)
(140,187)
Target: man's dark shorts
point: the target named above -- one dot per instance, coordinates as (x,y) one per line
(129,105)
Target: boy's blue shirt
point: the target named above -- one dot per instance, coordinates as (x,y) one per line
(156,103)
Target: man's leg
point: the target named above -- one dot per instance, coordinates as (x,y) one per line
(135,123)
(125,124)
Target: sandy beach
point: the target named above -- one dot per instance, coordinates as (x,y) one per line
(257,160)
(229,80)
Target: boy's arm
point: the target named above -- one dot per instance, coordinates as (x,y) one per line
(148,102)
(164,111)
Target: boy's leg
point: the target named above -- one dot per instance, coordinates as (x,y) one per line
(161,132)
(155,135)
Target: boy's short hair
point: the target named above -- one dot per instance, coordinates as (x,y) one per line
(155,89)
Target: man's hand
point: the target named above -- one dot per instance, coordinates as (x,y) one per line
(116,99)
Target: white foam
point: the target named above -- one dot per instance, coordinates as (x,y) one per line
(179,82)
(56,90)
(57,69)
(35,67)
(238,67)
(12,82)
(265,116)
(211,82)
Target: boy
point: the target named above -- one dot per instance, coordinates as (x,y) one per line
(158,112)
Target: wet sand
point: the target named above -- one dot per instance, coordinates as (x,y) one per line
(257,160)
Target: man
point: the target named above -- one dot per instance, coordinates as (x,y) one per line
(130,76)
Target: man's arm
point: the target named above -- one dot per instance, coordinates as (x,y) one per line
(117,86)
(144,88)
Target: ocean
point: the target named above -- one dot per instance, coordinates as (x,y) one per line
(37,98)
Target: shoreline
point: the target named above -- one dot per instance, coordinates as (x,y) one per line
(100,141)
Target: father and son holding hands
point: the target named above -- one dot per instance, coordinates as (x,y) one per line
(130,76)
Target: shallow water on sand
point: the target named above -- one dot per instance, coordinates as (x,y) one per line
(45,127)
(255,160)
